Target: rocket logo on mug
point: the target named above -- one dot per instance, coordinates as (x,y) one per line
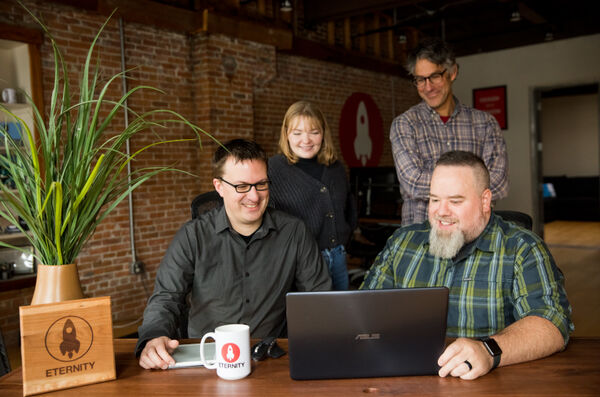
(232,344)
(230,352)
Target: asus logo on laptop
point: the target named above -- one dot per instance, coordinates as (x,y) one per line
(367,336)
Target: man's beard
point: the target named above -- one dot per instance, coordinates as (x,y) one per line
(444,245)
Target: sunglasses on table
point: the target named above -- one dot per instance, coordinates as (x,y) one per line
(267,347)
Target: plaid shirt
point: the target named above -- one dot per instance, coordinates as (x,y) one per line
(506,274)
(419,138)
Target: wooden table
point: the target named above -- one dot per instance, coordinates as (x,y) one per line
(574,372)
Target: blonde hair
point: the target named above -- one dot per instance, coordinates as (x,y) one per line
(305,109)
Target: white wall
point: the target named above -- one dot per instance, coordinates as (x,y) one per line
(569,126)
(14,66)
(554,64)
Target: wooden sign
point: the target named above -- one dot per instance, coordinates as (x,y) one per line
(66,344)
(361,131)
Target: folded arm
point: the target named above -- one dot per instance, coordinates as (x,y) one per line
(413,174)
(496,160)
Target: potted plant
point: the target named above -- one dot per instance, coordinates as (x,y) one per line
(75,172)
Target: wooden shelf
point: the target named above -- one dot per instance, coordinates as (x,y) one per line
(12,237)
(18,282)
(16,106)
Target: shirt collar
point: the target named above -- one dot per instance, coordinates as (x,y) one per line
(221,220)
(222,223)
(457,107)
(482,242)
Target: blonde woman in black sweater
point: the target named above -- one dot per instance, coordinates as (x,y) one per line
(309,182)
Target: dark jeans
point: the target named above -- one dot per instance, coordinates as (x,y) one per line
(335,258)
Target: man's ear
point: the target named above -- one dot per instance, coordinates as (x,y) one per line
(218,186)
(486,200)
(453,72)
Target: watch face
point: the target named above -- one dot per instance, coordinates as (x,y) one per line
(492,346)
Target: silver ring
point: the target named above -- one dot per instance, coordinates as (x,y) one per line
(468,364)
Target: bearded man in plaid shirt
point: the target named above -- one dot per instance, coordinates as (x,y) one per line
(507,302)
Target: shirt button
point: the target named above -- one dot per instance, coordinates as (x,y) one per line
(323,189)
(247,274)
(330,215)
(448,143)
(333,240)
(247,300)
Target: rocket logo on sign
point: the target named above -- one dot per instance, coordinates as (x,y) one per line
(230,352)
(361,131)
(363,147)
(69,338)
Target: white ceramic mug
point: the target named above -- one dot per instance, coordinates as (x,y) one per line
(232,353)
(9,95)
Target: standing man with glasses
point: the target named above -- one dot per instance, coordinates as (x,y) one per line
(439,124)
(236,262)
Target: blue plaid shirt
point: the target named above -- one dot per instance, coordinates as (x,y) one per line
(506,274)
(419,138)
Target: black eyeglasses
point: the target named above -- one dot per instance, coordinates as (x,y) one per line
(434,78)
(246,187)
(266,347)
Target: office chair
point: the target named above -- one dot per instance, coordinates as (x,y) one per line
(377,235)
(205,202)
(4,363)
(520,218)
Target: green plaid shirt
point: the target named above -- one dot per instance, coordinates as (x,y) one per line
(506,274)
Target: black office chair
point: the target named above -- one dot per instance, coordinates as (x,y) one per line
(4,363)
(205,202)
(520,218)
(377,235)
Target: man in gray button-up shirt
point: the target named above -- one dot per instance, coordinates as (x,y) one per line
(236,262)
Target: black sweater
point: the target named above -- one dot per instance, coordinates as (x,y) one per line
(326,206)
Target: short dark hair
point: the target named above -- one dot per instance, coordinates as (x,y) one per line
(240,150)
(462,158)
(435,50)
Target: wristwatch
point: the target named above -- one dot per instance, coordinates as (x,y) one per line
(492,347)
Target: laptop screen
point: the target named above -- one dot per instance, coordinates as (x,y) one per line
(367,333)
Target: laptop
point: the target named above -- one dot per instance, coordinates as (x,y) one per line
(367,333)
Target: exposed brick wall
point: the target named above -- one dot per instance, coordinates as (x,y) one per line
(231,88)
(327,85)
(161,59)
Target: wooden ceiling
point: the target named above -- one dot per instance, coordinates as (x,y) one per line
(375,33)
(472,26)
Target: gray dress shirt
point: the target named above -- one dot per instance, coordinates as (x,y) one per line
(229,280)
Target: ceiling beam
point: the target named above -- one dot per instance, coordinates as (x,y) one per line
(245,29)
(314,50)
(318,10)
(151,13)
(22,34)
(530,14)
(181,20)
